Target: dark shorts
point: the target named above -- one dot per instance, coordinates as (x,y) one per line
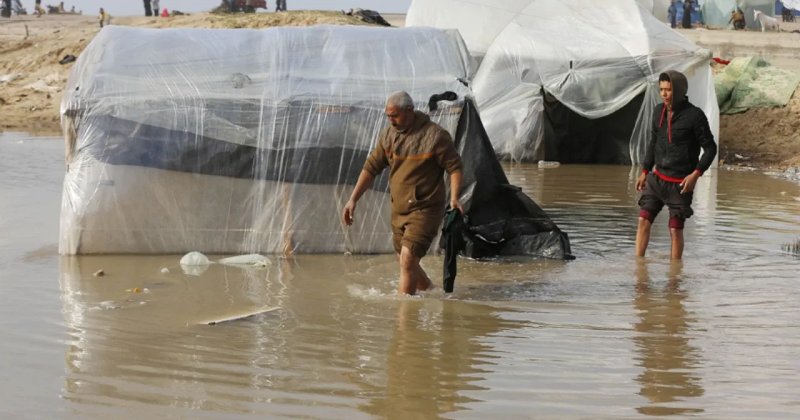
(658,192)
(416,230)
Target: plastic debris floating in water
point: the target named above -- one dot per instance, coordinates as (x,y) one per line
(255,260)
(195,258)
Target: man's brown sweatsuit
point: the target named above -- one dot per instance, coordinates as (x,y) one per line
(417,159)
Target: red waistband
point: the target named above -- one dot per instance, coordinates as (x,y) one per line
(672,179)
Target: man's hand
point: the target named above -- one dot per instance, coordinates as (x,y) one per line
(640,183)
(348,212)
(454,204)
(687,185)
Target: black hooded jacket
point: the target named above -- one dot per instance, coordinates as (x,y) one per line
(678,135)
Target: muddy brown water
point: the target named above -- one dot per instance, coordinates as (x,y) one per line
(604,336)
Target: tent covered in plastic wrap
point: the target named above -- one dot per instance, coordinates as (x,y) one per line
(250,141)
(659,8)
(793,5)
(717,13)
(570,80)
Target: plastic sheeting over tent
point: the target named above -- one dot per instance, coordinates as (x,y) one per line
(570,80)
(486,18)
(657,7)
(245,141)
(790,4)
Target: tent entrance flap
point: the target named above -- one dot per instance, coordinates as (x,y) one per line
(572,138)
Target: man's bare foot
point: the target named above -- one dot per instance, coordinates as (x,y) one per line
(425,285)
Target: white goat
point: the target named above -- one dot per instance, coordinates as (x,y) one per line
(767,22)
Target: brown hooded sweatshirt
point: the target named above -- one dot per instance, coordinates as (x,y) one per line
(417,159)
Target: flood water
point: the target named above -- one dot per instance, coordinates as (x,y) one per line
(603,336)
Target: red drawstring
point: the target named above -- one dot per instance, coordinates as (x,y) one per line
(669,122)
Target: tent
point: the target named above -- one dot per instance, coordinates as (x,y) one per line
(570,80)
(792,5)
(249,141)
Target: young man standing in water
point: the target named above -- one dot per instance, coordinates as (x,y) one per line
(417,152)
(671,165)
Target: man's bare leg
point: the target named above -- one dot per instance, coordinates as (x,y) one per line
(408,272)
(423,281)
(419,278)
(677,243)
(642,236)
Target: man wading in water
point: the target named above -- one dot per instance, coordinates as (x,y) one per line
(417,152)
(679,131)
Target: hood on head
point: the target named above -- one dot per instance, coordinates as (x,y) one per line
(679,85)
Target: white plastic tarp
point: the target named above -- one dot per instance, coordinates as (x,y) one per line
(487,18)
(593,57)
(791,4)
(239,141)
(657,7)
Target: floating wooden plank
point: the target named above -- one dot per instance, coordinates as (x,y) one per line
(239,315)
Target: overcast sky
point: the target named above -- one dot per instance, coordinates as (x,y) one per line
(135,7)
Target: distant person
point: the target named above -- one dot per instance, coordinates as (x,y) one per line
(687,14)
(148,9)
(38,10)
(737,18)
(6,8)
(156,9)
(672,12)
(671,165)
(102,17)
(280,5)
(417,152)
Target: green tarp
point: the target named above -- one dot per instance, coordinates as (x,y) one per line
(750,82)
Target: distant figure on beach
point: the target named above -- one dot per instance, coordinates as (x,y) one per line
(280,5)
(672,12)
(737,19)
(687,14)
(104,18)
(417,152)
(671,165)
(148,10)
(156,9)
(38,10)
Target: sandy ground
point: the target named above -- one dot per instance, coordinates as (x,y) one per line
(763,138)
(32,80)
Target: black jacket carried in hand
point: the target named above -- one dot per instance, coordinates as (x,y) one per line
(675,144)
(452,237)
